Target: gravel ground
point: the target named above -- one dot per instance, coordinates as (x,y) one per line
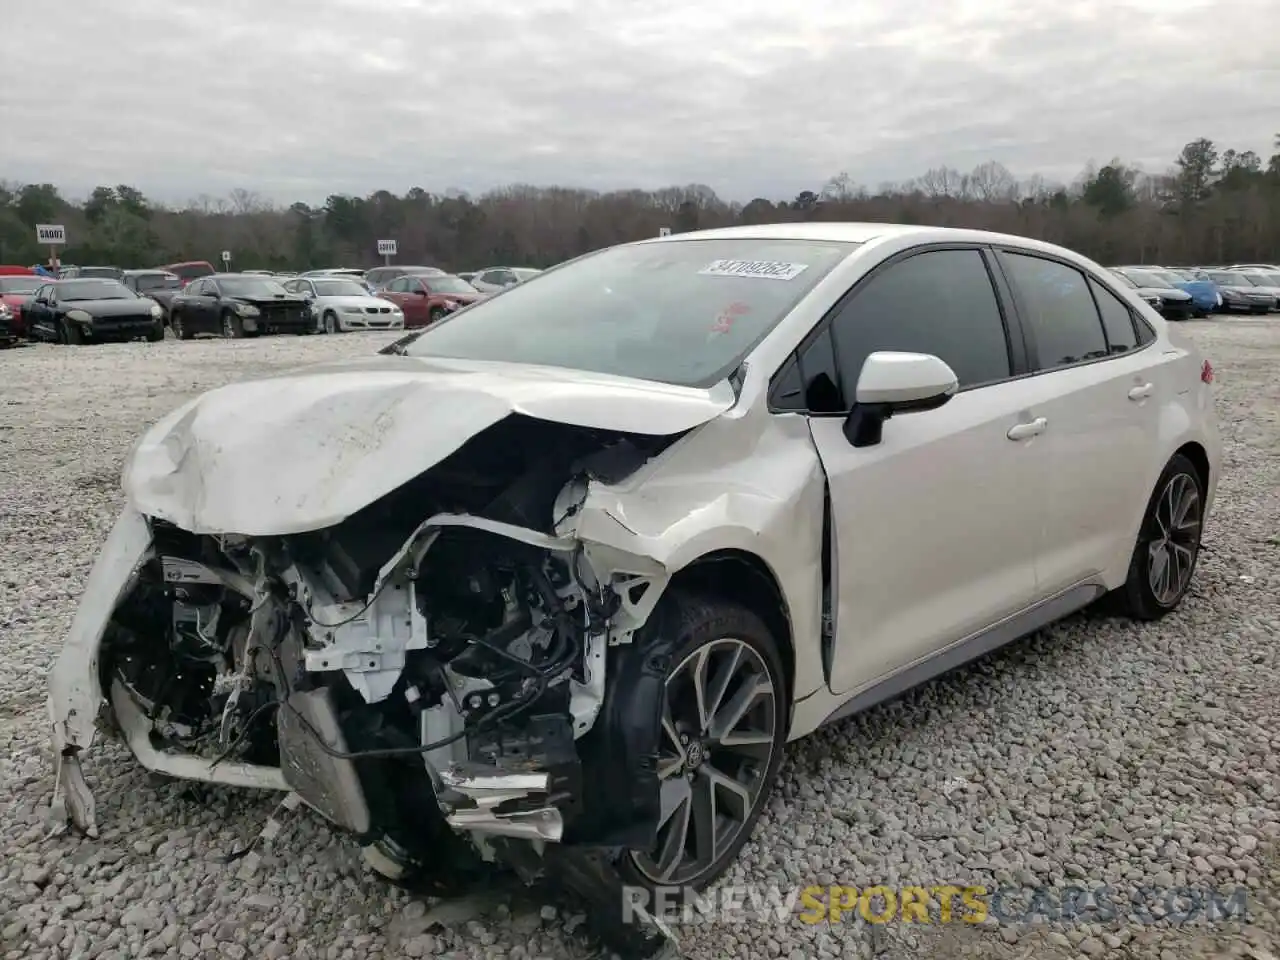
(1098,752)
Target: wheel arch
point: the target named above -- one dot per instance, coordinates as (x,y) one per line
(745,578)
(1199,458)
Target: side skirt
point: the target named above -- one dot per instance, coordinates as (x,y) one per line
(970,648)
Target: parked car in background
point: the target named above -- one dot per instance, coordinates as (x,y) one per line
(91,273)
(494,279)
(91,310)
(160,285)
(1269,267)
(1205,298)
(1151,298)
(1267,281)
(258,273)
(649,534)
(238,305)
(1175,304)
(379,277)
(1238,293)
(341,304)
(428,299)
(16,293)
(190,270)
(467,275)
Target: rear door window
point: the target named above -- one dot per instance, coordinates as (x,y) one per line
(1058,309)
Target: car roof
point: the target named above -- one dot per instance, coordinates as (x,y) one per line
(854,232)
(150,271)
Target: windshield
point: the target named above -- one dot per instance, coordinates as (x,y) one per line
(1258,279)
(339,288)
(683,312)
(1124,278)
(251,287)
(450,285)
(20,284)
(1229,279)
(94,290)
(113,273)
(422,272)
(1273,279)
(523,273)
(158,281)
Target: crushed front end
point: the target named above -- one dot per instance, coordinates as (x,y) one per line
(449,675)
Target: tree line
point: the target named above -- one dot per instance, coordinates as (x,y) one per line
(1211,205)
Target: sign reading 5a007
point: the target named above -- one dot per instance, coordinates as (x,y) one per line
(50,233)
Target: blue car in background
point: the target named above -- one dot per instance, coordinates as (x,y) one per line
(1205,295)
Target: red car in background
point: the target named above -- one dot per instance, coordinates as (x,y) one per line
(189,270)
(16,290)
(426,299)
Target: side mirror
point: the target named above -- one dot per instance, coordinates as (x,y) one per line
(893,383)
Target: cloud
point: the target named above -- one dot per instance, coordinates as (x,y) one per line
(296,100)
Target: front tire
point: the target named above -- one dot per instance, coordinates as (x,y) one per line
(156,333)
(232,326)
(331,322)
(723,732)
(72,334)
(1164,558)
(435,316)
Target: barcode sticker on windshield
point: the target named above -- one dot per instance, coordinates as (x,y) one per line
(762,269)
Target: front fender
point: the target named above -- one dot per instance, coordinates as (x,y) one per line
(753,484)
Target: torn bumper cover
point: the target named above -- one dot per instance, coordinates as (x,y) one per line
(479,788)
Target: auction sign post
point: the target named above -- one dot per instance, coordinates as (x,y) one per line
(53,236)
(386,250)
(226,261)
(664,231)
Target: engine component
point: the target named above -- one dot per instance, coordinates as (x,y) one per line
(367,641)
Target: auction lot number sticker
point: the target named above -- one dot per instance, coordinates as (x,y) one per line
(760,269)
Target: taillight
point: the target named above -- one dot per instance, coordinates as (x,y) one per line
(1206,372)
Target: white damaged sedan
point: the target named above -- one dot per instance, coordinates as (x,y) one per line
(551,582)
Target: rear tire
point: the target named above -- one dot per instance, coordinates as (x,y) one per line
(179,326)
(435,316)
(1164,558)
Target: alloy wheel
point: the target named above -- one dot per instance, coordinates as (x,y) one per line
(1178,516)
(719,724)
(175,324)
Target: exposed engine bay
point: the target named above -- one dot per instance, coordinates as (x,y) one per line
(444,674)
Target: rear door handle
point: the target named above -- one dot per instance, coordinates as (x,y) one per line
(1025,431)
(1140,392)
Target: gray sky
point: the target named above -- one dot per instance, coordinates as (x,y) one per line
(296,99)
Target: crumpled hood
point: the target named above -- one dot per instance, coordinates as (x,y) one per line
(306,449)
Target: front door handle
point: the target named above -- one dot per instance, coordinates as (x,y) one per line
(1140,392)
(1025,431)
